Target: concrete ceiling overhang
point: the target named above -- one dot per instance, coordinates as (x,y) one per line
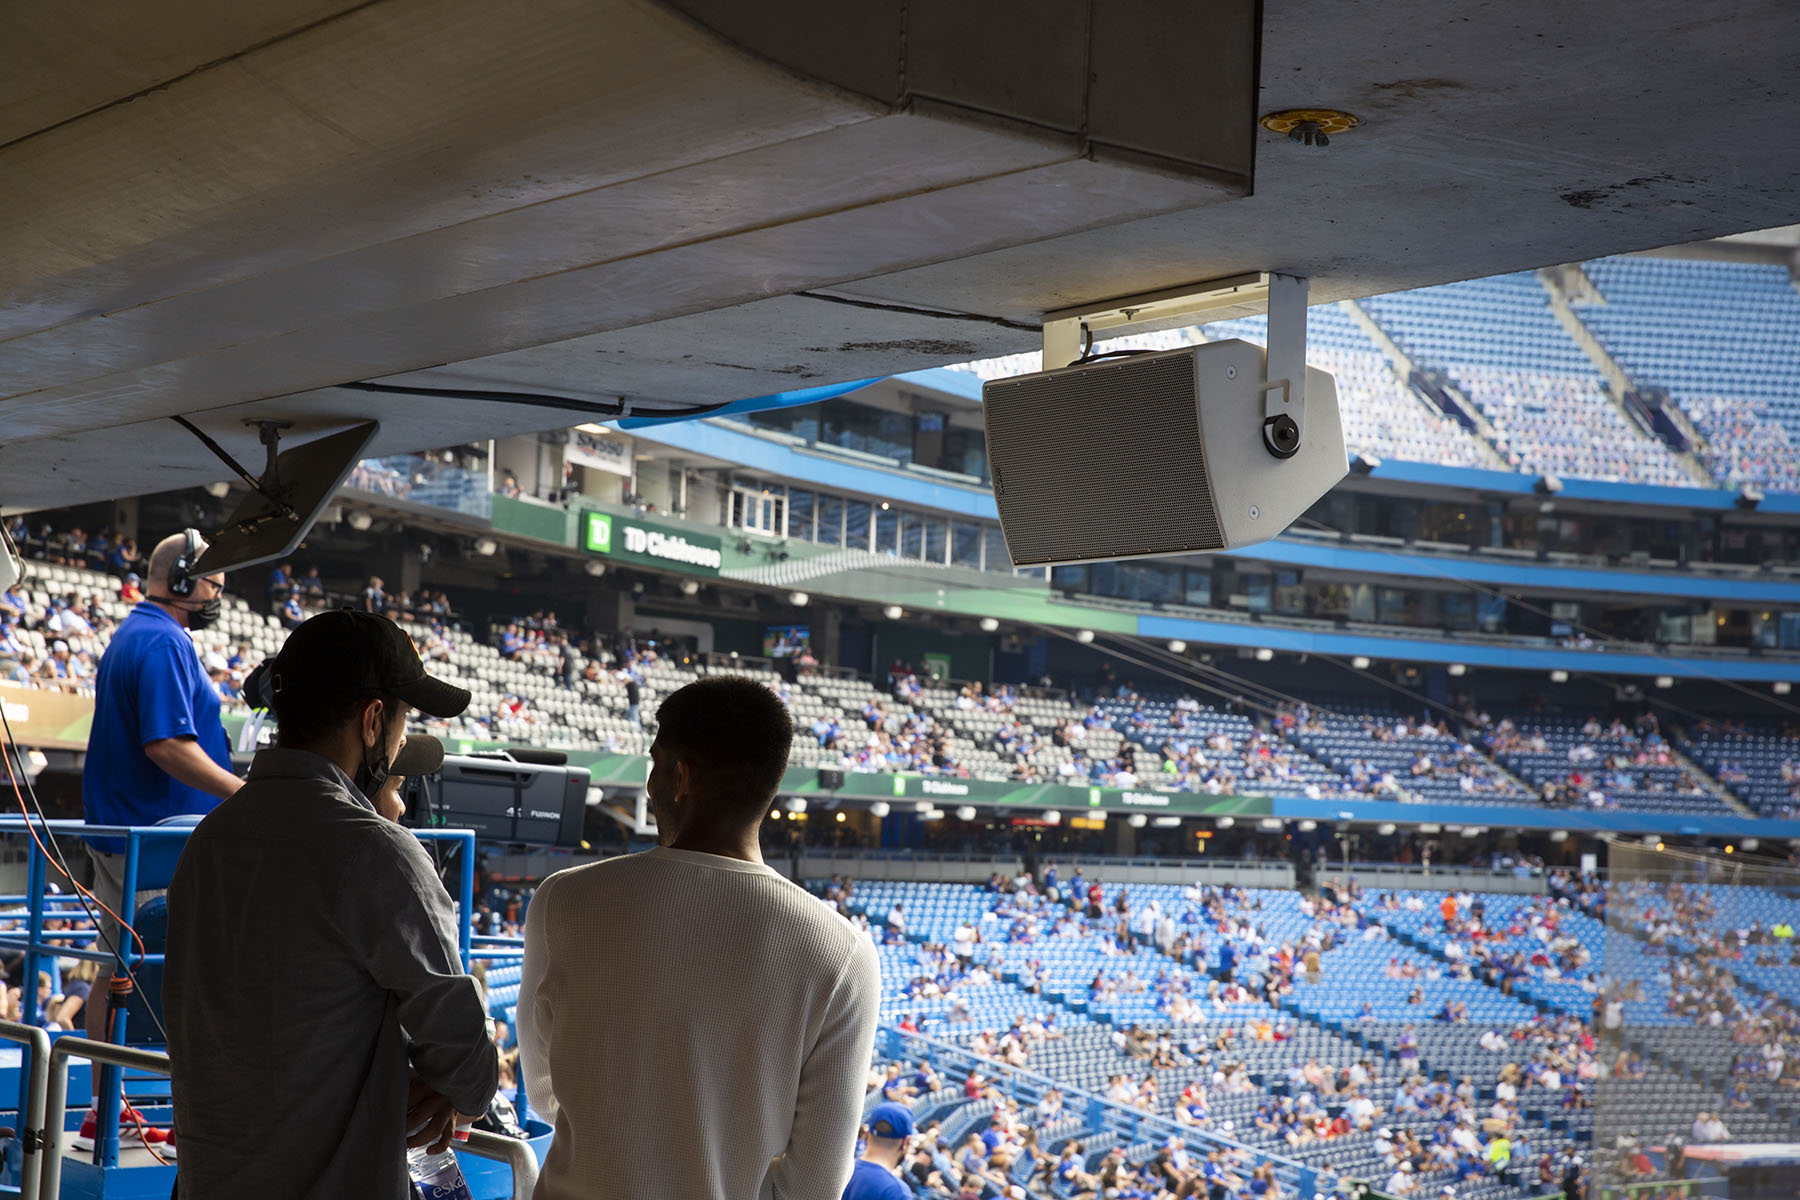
(220,210)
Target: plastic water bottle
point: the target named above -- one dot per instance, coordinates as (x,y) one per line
(438,1176)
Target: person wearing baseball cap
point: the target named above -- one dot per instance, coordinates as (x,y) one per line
(873,1176)
(309,933)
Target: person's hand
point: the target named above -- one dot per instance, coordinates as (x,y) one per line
(387,798)
(430,1119)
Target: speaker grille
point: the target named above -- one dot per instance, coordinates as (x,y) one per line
(1101,462)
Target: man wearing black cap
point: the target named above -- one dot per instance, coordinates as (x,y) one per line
(317,1010)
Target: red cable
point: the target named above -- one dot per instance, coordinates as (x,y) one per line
(51,859)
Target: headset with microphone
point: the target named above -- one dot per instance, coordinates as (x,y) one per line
(181,572)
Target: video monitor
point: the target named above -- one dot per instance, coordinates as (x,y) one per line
(787,641)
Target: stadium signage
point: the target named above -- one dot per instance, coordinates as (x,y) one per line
(640,541)
(866,786)
(601,453)
(1145,799)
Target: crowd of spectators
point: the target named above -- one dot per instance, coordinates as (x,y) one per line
(1428,750)
(1429,1131)
(1608,760)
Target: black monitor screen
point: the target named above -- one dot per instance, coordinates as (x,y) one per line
(502,801)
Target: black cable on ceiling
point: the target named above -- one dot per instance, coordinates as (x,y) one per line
(608,411)
(915,311)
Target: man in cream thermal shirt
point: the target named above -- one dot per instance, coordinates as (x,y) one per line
(693,1024)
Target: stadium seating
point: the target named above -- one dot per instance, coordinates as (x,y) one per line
(1164,741)
(1607,768)
(1498,339)
(1357,1010)
(1715,335)
(1759,763)
(1380,751)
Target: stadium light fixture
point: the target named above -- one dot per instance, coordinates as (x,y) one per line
(1270,823)
(966,813)
(796,804)
(1559,676)
(1386,828)
(1360,662)
(219,490)
(1459,669)
(1264,654)
(774,814)
(690,587)
(1177,646)
(841,816)
(1750,844)
(1783,687)
(1052,817)
(1559,835)
(1137,820)
(1665,681)
(880,809)
(989,624)
(936,814)
(1227,822)
(1084,636)
(487,547)
(1307,826)
(594,567)
(1730,849)
(1659,847)
(799,599)
(1166,822)
(923,807)
(1430,827)
(1470,831)
(893,612)
(359,520)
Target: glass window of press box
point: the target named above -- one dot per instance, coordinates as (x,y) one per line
(1545,527)
(928,437)
(1280,593)
(861,523)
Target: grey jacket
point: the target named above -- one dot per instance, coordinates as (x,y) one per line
(311,953)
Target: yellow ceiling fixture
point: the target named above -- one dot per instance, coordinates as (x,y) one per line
(1311,126)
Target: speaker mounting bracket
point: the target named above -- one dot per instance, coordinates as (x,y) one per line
(1068,331)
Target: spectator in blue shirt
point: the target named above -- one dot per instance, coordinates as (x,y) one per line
(156,748)
(873,1176)
(292,614)
(124,556)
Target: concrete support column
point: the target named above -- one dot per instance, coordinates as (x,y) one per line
(609,611)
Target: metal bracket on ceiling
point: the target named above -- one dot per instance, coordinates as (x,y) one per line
(1069,331)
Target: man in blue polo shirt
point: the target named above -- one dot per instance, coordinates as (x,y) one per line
(157,747)
(873,1175)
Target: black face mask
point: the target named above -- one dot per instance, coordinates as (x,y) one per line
(206,616)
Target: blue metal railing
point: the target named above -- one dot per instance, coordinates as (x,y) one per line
(150,856)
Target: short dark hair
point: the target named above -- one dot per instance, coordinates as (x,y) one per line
(303,721)
(733,734)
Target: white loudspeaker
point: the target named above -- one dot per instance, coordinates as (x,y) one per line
(1157,453)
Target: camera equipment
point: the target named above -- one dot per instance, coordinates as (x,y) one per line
(501,797)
